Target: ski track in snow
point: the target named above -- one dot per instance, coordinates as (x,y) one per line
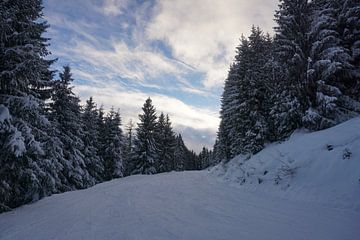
(185,205)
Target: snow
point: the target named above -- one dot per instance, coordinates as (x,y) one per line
(4,114)
(322,167)
(319,201)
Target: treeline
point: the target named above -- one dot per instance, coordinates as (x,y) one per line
(307,75)
(49,143)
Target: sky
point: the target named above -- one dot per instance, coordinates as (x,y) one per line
(177,52)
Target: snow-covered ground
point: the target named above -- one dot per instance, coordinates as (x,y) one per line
(186,205)
(322,167)
(319,199)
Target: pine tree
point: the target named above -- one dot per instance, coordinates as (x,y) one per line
(160,142)
(95,164)
(169,143)
(191,162)
(145,145)
(256,85)
(229,103)
(292,48)
(349,31)
(222,144)
(245,105)
(204,158)
(25,82)
(179,154)
(66,113)
(113,146)
(129,148)
(165,139)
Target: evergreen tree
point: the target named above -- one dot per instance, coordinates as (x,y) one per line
(330,68)
(245,105)
(160,142)
(292,48)
(222,144)
(129,148)
(228,114)
(169,145)
(204,158)
(165,139)
(113,146)
(145,145)
(25,83)
(180,154)
(66,113)
(95,164)
(256,85)
(191,161)
(349,33)
(217,155)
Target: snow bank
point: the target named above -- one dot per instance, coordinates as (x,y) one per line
(322,166)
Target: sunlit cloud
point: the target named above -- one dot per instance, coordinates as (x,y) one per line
(204,33)
(194,123)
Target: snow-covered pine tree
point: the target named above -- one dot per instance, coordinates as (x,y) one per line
(145,145)
(217,155)
(292,48)
(160,142)
(228,114)
(349,30)
(285,111)
(233,115)
(245,100)
(191,161)
(95,163)
(129,148)
(169,142)
(256,84)
(112,144)
(25,82)
(222,143)
(204,158)
(331,66)
(66,113)
(180,154)
(165,139)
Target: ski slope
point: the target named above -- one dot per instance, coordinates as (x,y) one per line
(319,199)
(185,205)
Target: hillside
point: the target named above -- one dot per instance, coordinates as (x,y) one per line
(319,200)
(321,166)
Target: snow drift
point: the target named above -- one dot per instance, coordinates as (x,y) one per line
(321,166)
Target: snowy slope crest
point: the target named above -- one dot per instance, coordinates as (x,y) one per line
(322,166)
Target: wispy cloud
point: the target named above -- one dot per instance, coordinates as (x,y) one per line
(204,33)
(112,7)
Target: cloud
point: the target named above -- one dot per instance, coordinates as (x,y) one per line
(130,102)
(204,33)
(142,66)
(80,28)
(113,7)
(197,125)
(125,51)
(136,63)
(196,139)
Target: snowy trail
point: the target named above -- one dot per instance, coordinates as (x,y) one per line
(186,205)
